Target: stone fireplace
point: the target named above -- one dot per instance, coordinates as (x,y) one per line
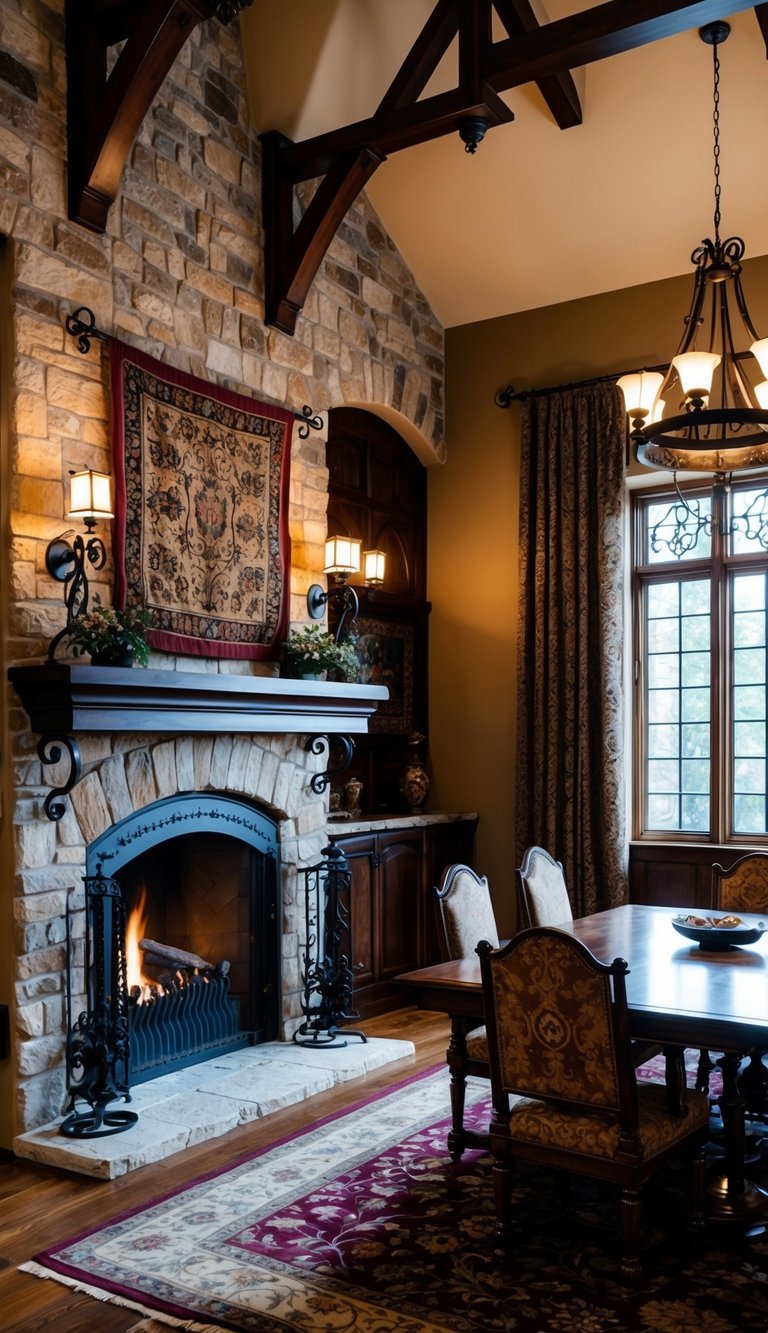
(199,878)
(223,759)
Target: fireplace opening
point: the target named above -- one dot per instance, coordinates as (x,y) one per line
(198,880)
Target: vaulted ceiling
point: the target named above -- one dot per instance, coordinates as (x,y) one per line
(538,214)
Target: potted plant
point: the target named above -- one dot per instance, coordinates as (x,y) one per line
(111,637)
(312,652)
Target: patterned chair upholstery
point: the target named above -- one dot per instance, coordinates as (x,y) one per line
(466,915)
(558,1038)
(542,894)
(742,888)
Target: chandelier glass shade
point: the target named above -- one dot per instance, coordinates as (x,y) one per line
(709,412)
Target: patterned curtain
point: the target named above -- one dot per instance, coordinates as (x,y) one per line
(570,762)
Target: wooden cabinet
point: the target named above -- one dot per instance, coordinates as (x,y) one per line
(393,911)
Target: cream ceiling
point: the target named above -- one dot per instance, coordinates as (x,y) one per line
(538,215)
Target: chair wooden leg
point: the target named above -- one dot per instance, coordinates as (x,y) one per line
(456,1142)
(703,1071)
(630,1232)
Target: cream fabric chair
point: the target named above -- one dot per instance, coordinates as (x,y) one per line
(542,894)
(466,915)
(558,1038)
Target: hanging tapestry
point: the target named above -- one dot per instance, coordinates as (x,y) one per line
(201,510)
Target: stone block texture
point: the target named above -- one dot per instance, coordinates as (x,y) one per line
(179,273)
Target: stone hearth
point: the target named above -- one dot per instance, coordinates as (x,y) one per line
(198,1104)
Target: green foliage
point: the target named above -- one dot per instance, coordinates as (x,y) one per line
(312,650)
(104,629)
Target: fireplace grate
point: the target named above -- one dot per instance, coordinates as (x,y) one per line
(191,1021)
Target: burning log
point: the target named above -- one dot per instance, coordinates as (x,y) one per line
(166,956)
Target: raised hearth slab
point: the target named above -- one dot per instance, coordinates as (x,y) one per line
(205,1101)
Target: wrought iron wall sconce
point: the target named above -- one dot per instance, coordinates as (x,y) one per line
(343,558)
(65,560)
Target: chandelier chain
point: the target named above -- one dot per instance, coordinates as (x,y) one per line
(716,135)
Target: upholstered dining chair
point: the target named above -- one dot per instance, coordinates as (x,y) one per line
(466,915)
(542,897)
(558,1038)
(542,900)
(742,888)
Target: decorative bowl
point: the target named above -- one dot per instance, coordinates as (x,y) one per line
(712,934)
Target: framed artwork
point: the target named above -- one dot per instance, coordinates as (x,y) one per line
(391,652)
(200,537)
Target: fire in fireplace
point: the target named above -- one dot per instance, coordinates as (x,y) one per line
(190,950)
(182,1010)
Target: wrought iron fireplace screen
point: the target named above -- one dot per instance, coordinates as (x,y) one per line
(184,1009)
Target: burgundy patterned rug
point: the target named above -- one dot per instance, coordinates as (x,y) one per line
(363,1223)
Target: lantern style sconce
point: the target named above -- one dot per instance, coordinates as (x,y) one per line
(343,558)
(374,564)
(90,500)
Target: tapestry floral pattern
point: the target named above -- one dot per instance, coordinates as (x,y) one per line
(201,529)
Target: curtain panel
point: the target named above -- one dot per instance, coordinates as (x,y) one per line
(570,763)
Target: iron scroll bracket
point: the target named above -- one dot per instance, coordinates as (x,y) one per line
(317,745)
(50,750)
(81,324)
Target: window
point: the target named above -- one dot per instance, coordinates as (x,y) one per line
(700,598)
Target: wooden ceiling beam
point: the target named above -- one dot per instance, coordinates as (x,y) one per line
(422,59)
(606,30)
(104,112)
(347,158)
(558,90)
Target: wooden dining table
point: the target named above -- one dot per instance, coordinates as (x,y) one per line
(679,995)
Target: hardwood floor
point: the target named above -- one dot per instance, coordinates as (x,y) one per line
(40,1206)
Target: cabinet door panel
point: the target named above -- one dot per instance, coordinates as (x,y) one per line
(360,856)
(401,903)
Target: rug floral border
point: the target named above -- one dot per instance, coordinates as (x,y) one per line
(247,615)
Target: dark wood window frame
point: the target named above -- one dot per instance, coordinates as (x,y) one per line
(718,567)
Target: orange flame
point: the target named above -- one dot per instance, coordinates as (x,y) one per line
(135,930)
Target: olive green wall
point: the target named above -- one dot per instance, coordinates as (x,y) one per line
(473,502)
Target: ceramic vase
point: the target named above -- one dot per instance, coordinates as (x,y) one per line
(415,781)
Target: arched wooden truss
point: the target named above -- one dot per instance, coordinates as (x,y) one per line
(105,111)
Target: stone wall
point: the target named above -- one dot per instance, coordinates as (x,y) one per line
(179,273)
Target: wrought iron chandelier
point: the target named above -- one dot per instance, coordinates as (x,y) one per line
(718,421)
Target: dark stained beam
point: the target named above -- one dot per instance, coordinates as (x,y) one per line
(607,30)
(104,113)
(423,58)
(761,14)
(291,259)
(347,157)
(558,90)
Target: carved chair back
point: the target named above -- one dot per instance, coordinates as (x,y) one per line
(466,911)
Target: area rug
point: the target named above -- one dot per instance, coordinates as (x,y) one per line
(362,1222)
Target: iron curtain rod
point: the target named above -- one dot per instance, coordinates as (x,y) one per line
(81,324)
(507,396)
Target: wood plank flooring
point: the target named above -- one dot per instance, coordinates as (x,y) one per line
(40,1206)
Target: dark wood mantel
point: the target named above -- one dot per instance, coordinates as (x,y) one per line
(65,700)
